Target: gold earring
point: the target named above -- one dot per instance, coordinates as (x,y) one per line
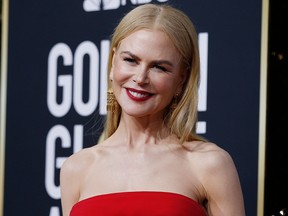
(111,101)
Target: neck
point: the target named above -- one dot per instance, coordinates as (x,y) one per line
(141,131)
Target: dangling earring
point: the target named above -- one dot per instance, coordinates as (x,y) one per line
(111,101)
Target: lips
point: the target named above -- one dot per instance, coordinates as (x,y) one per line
(137,95)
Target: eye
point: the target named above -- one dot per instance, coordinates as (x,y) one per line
(129,60)
(161,68)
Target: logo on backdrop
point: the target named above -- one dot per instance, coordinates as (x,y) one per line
(99,5)
(65,70)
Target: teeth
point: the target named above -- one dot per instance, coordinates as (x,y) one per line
(137,94)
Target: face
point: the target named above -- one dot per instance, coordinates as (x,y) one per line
(146,73)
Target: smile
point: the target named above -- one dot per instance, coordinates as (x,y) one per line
(138,95)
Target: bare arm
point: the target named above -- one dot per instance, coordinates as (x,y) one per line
(69,184)
(222,186)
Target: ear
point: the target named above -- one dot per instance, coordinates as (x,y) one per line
(183,78)
(112,64)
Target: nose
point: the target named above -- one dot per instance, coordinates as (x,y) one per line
(141,76)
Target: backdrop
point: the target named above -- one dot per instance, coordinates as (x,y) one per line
(56,89)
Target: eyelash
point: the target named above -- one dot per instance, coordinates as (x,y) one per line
(160,68)
(132,60)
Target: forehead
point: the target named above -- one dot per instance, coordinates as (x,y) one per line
(154,42)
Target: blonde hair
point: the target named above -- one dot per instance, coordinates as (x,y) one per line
(182,120)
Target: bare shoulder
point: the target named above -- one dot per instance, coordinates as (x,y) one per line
(72,171)
(208,153)
(218,177)
(210,160)
(80,161)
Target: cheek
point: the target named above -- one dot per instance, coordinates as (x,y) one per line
(119,72)
(165,84)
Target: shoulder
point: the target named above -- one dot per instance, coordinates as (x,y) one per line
(84,159)
(211,161)
(72,174)
(79,162)
(217,174)
(208,153)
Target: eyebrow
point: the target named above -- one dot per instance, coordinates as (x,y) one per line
(154,62)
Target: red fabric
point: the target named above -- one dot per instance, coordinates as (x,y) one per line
(138,204)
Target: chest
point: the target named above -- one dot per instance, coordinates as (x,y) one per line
(142,173)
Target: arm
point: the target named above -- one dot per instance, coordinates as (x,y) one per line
(69,185)
(222,186)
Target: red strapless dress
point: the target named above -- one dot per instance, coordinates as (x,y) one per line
(142,203)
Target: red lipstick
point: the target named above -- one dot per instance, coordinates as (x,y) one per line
(137,95)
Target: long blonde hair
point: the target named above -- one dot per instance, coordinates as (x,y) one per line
(177,25)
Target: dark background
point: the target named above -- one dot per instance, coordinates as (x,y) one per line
(276,187)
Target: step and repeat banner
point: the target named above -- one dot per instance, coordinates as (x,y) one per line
(56,89)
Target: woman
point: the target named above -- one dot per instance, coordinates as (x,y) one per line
(151,161)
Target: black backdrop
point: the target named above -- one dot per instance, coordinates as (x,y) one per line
(57,54)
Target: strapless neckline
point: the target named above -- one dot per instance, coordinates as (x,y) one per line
(138,203)
(136,193)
